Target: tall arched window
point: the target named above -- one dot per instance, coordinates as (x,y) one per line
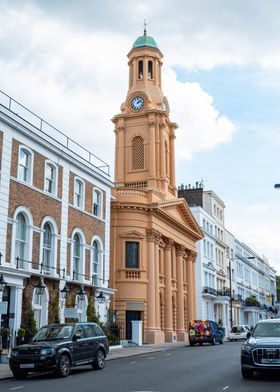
(25,165)
(21,240)
(137,153)
(140,69)
(77,257)
(48,248)
(96,261)
(150,70)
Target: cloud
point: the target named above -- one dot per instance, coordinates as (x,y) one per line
(77,80)
(201,126)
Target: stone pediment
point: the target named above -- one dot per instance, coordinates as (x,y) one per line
(132,234)
(179,211)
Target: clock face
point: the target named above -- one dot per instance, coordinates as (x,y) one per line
(164,107)
(137,103)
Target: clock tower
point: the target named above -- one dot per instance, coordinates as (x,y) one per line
(153,233)
(144,156)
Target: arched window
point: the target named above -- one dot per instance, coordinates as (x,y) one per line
(21,245)
(50,178)
(140,69)
(77,258)
(78,193)
(137,153)
(96,263)
(97,203)
(48,248)
(25,165)
(150,70)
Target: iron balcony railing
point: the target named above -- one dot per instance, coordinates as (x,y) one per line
(209,290)
(52,134)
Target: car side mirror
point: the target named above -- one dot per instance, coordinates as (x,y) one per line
(248,335)
(76,337)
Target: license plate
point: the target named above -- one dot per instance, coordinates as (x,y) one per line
(27,365)
(264,360)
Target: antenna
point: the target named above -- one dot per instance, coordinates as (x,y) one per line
(145,26)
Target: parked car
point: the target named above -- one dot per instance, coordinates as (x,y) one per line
(261,352)
(238,332)
(58,347)
(205,331)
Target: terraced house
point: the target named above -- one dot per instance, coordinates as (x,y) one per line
(54,223)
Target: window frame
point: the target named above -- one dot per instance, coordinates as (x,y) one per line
(97,208)
(78,180)
(128,264)
(28,167)
(54,180)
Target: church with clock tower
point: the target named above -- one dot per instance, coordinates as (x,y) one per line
(153,232)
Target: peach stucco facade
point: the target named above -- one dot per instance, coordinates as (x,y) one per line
(153,233)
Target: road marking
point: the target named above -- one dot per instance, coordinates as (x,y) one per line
(133,362)
(151,358)
(19,387)
(225,387)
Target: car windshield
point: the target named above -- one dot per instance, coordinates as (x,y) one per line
(267,330)
(53,333)
(237,329)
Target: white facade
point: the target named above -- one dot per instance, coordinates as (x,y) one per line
(48,162)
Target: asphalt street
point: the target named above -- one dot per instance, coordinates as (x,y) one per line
(187,369)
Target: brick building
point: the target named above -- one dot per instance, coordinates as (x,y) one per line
(54,222)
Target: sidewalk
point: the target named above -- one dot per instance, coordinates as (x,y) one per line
(114,353)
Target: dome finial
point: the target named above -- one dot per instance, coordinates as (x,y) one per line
(145,26)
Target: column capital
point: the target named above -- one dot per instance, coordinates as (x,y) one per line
(190,255)
(180,249)
(153,235)
(168,243)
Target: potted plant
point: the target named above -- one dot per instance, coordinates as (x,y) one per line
(21,335)
(5,337)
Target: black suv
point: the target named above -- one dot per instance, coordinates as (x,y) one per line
(57,347)
(261,352)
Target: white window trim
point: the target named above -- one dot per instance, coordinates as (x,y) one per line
(95,190)
(100,268)
(54,165)
(25,211)
(83,253)
(52,222)
(82,207)
(23,147)
(44,307)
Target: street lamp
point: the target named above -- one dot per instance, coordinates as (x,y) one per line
(100,298)
(40,288)
(81,294)
(65,291)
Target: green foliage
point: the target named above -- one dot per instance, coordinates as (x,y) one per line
(5,332)
(252,301)
(54,310)
(21,332)
(277,288)
(30,325)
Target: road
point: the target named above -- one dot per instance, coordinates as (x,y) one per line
(188,369)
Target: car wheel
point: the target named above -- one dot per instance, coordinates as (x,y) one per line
(99,363)
(191,343)
(247,373)
(20,374)
(213,340)
(64,366)
(230,339)
(221,341)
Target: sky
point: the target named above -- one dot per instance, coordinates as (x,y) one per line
(66,60)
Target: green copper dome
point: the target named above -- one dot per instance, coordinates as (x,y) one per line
(145,40)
